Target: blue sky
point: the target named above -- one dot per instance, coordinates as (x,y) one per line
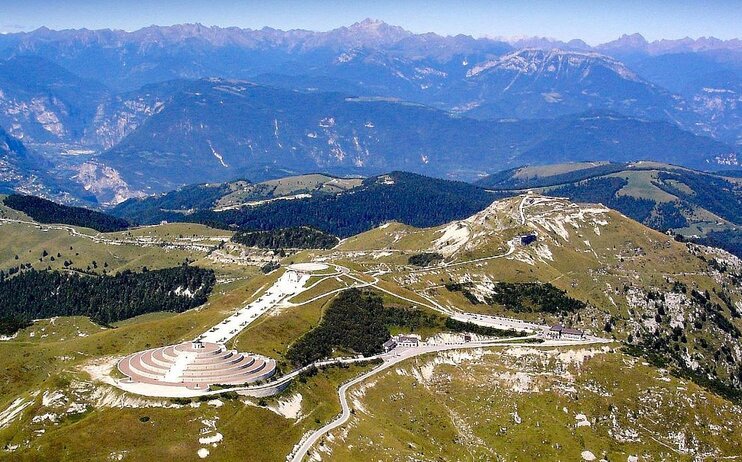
(594,21)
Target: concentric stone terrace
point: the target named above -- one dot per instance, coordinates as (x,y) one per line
(195,365)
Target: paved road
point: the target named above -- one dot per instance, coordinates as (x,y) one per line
(397,356)
(432,303)
(101,238)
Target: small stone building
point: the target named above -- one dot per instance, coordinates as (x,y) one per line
(565,333)
(389,345)
(404,341)
(408,341)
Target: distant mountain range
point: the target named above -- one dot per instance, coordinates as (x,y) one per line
(216,130)
(121,114)
(128,60)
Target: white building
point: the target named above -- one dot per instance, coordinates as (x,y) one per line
(404,341)
(565,333)
(408,341)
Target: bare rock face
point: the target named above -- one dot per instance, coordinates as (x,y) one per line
(105,182)
(117,118)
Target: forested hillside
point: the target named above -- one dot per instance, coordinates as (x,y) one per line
(534,297)
(406,197)
(409,198)
(603,190)
(524,297)
(301,237)
(356,321)
(33,294)
(45,211)
(171,205)
(716,194)
(511,179)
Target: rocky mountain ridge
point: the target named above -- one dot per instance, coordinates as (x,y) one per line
(131,83)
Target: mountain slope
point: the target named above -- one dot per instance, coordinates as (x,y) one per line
(602,136)
(664,197)
(216,130)
(20,169)
(491,78)
(118,115)
(534,83)
(399,196)
(709,82)
(593,410)
(676,303)
(657,297)
(717,98)
(44,211)
(43,102)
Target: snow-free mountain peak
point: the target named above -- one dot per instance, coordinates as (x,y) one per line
(554,62)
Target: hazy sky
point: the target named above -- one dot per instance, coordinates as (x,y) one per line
(594,21)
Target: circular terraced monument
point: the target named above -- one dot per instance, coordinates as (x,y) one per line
(195,365)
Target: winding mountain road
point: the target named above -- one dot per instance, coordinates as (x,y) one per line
(101,238)
(396,356)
